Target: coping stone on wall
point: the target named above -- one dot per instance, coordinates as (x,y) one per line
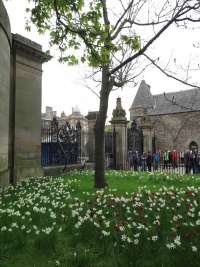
(27,41)
(29,48)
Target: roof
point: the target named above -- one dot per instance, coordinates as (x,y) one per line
(184,101)
(143,98)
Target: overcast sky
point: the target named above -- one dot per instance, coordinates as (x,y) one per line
(59,89)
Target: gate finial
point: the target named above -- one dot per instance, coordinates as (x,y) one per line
(119,112)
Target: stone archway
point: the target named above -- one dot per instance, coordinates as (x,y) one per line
(188,134)
(193,145)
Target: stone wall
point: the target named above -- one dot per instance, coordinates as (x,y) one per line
(56,170)
(176,131)
(5,47)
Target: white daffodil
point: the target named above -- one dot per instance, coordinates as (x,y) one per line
(194,248)
(136,241)
(154,238)
(105,233)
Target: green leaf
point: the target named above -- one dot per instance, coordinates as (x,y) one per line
(28,28)
(40,31)
(47,53)
(52,33)
(83,59)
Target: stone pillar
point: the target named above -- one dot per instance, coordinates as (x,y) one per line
(5,48)
(120,122)
(25,107)
(92,116)
(147,134)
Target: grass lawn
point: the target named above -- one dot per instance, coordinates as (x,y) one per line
(141,219)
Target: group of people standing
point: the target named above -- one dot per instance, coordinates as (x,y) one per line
(192,161)
(147,159)
(189,159)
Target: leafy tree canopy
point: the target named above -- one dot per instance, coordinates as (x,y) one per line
(113,37)
(75,23)
(114,33)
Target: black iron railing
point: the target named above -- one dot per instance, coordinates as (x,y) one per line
(124,161)
(61,144)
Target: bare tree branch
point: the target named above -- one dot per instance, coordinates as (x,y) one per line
(168,75)
(88,87)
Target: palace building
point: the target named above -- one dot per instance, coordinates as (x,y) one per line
(174,118)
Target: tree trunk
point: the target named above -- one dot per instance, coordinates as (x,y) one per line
(100,181)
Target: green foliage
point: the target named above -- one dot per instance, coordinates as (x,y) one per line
(28,28)
(108,129)
(75,24)
(132,41)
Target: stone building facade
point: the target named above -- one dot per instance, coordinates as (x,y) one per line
(174,117)
(72,119)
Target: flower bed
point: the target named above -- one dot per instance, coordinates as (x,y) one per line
(146,227)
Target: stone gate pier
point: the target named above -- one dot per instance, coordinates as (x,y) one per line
(20,104)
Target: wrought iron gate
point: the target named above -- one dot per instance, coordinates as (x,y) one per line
(135,138)
(61,144)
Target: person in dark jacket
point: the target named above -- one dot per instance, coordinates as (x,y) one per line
(197,163)
(135,161)
(170,159)
(149,160)
(192,161)
(187,161)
